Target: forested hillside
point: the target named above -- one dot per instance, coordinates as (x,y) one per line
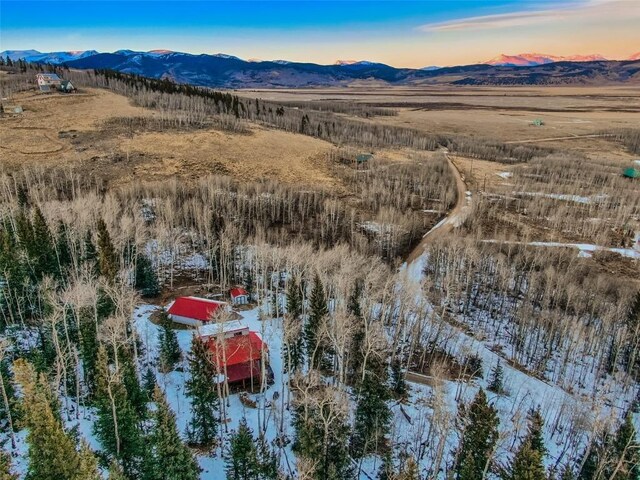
(480,359)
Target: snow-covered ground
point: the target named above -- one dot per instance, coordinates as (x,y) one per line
(266,417)
(584,249)
(567,413)
(565,197)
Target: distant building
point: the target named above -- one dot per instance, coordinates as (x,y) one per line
(50,82)
(363,157)
(240,356)
(195,311)
(239,296)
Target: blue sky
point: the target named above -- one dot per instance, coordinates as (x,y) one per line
(401,33)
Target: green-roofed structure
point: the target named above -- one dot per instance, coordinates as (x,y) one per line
(631,172)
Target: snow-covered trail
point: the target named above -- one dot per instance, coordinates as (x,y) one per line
(562,409)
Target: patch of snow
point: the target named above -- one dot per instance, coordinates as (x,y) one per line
(585,249)
(565,197)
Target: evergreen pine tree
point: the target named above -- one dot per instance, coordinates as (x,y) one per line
(23,196)
(317,311)
(169,457)
(52,452)
(8,392)
(292,348)
(615,457)
(170,352)
(87,463)
(535,432)
(200,387)
(496,382)
(146,279)
(372,416)
(149,382)
(625,452)
(267,460)
(5,466)
(591,463)
(527,464)
(42,247)
(136,395)
(88,349)
(62,247)
(478,439)
(90,256)
(241,458)
(356,356)
(115,472)
(107,256)
(330,452)
(567,473)
(117,426)
(398,383)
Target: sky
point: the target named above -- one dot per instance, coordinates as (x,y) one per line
(399,33)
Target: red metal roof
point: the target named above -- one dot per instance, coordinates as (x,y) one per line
(243,371)
(237,350)
(237,291)
(193,307)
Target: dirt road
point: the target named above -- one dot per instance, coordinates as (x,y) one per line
(551,139)
(454,218)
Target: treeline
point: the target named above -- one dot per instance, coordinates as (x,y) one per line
(560,198)
(545,308)
(629,137)
(197,104)
(348,324)
(212,217)
(363,110)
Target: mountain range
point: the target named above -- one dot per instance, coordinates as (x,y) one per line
(532,59)
(228,71)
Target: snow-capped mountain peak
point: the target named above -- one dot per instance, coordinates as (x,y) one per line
(532,59)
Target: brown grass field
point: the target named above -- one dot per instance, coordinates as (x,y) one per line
(60,130)
(504,114)
(74,130)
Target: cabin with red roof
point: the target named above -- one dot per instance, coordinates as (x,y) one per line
(195,311)
(240,355)
(239,296)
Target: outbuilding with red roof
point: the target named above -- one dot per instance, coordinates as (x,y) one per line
(195,311)
(239,296)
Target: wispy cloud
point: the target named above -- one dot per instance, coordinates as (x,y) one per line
(589,9)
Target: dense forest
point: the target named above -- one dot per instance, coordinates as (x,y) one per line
(483,360)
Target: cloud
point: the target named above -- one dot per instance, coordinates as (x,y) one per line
(589,9)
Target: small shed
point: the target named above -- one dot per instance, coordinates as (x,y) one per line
(66,86)
(631,172)
(363,158)
(239,296)
(195,311)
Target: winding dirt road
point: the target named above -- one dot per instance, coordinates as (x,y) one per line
(454,218)
(552,139)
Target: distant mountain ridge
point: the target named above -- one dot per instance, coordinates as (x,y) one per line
(533,59)
(55,58)
(228,71)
